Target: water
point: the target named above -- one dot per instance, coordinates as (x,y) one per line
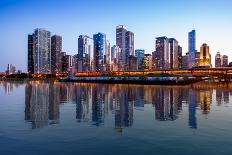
(79,118)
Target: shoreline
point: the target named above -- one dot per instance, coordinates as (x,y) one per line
(134,80)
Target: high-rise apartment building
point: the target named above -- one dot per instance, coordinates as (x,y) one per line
(139,53)
(174,56)
(225,61)
(218,60)
(42,51)
(85,60)
(30,57)
(56,49)
(99,51)
(162,54)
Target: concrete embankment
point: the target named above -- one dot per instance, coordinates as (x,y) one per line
(134,80)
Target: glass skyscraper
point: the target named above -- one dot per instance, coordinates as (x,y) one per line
(99,51)
(192,47)
(85,54)
(42,51)
(56,49)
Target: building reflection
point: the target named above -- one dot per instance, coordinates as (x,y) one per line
(41,103)
(95,103)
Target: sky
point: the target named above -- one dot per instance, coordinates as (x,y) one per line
(148,19)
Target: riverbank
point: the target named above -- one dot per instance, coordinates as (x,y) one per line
(135,80)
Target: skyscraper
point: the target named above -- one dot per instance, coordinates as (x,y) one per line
(107,59)
(173,47)
(42,51)
(115,58)
(192,47)
(179,57)
(99,51)
(85,54)
(30,57)
(205,57)
(121,37)
(56,49)
(125,40)
(162,54)
(225,61)
(218,60)
(139,53)
(129,45)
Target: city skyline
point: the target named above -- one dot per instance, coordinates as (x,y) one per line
(206,25)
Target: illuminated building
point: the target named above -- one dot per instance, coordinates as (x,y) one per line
(192,47)
(179,57)
(10,69)
(162,54)
(99,51)
(185,61)
(225,61)
(132,63)
(129,45)
(139,53)
(205,57)
(42,51)
(85,58)
(147,62)
(218,60)
(121,41)
(30,57)
(116,58)
(125,40)
(56,49)
(107,58)
(173,47)
(197,59)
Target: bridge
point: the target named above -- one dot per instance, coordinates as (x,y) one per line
(220,73)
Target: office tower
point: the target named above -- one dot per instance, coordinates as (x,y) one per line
(132,63)
(116,58)
(162,53)
(99,51)
(197,59)
(185,61)
(173,47)
(125,40)
(56,49)
(192,47)
(179,56)
(129,45)
(147,62)
(205,57)
(218,60)
(225,61)
(67,63)
(139,53)
(42,51)
(85,58)
(10,69)
(30,59)
(107,58)
(121,40)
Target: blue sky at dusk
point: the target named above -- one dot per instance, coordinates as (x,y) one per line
(148,19)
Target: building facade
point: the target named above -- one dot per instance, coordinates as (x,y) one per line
(139,53)
(218,60)
(56,49)
(85,58)
(162,54)
(205,57)
(42,51)
(174,55)
(99,51)
(192,47)
(30,57)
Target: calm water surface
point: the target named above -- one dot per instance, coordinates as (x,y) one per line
(42,118)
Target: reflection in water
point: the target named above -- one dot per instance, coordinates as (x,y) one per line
(96,102)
